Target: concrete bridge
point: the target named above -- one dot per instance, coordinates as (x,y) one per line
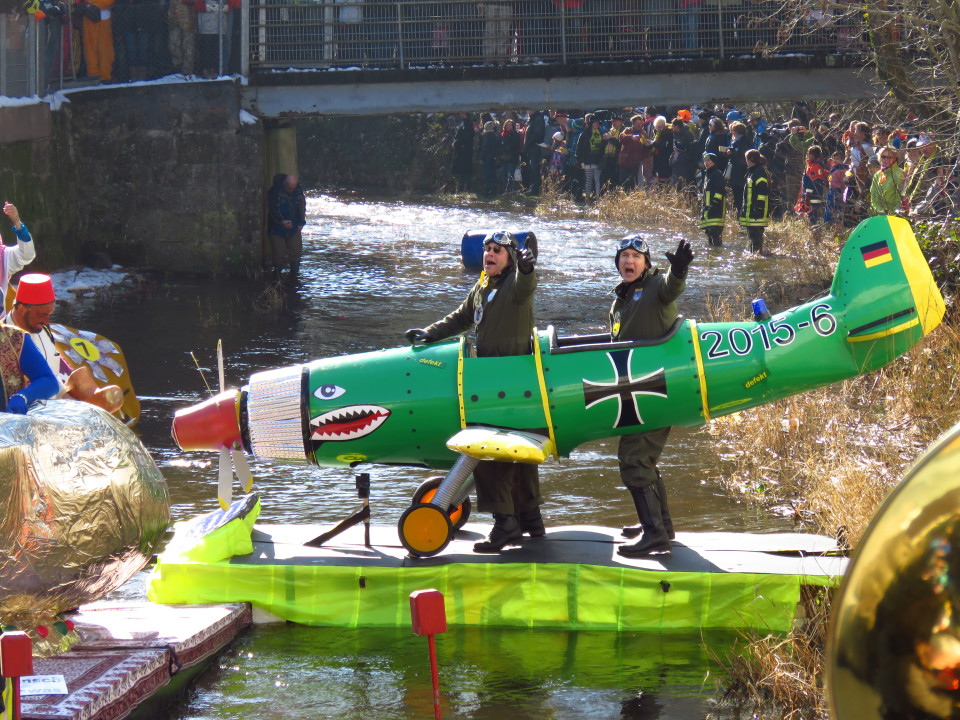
(609,84)
(409,56)
(359,57)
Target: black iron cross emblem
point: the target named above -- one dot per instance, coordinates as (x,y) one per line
(625,389)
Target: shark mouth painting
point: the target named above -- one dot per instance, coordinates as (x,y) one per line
(348,423)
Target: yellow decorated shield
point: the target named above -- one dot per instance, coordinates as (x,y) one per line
(105,360)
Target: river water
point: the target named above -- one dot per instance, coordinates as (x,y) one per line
(372,269)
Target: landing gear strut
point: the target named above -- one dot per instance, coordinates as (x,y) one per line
(441,507)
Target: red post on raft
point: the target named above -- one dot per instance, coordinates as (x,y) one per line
(430,618)
(16,661)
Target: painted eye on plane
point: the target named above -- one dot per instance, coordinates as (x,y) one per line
(328,392)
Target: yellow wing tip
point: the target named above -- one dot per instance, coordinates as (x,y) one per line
(485,443)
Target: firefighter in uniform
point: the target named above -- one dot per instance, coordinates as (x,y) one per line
(645,308)
(755,211)
(500,309)
(714,200)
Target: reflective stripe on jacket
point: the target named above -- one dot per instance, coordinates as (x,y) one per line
(756,198)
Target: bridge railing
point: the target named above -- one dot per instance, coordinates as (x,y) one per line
(17,43)
(154,38)
(406,33)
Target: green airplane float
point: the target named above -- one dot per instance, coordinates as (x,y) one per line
(437,406)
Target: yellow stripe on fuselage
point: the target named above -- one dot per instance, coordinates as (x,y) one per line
(541,380)
(463,414)
(884,333)
(700,373)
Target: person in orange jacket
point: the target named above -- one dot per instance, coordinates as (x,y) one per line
(98,40)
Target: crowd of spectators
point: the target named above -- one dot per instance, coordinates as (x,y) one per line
(827,170)
(161,34)
(125,40)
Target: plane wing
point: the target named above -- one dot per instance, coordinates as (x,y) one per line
(490,443)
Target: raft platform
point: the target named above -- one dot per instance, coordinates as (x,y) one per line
(133,658)
(571,579)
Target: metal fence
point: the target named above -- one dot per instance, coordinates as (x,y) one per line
(406,33)
(144,39)
(16,55)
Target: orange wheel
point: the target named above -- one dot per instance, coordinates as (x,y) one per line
(428,488)
(425,530)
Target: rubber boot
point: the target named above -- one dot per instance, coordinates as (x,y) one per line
(506,531)
(664,508)
(531,522)
(654,538)
(632,531)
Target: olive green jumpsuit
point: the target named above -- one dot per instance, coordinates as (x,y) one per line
(644,310)
(501,311)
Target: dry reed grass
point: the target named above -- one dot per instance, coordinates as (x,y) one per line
(813,250)
(662,205)
(834,453)
(780,676)
(271,299)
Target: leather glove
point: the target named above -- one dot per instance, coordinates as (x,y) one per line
(681,259)
(17,405)
(416,335)
(526,260)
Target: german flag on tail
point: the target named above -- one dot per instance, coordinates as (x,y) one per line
(876,254)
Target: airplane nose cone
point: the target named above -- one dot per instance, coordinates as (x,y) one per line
(210,425)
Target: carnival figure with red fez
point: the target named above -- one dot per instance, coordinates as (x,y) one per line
(32,308)
(98,50)
(25,376)
(13,258)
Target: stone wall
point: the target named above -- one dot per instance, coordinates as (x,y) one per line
(31,179)
(397,154)
(162,176)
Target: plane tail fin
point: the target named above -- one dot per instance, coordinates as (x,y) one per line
(889,297)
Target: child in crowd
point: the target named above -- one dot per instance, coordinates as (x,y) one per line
(836,185)
(886,188)
(558,157)
(813,189)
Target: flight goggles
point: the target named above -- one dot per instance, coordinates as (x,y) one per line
(636,242)
(501,238)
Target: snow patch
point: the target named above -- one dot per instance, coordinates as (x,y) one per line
(19,101)
(68,284)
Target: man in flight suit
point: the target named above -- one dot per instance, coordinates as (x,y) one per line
(644,308)
(500,308)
